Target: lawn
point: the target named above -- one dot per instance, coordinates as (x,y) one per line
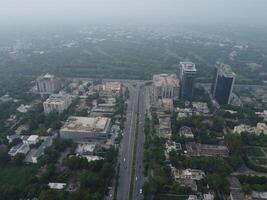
(18,176)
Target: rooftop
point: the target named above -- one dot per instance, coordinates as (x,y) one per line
(57,98)
(225,70)
(188,66)
(81,124)
(165,80)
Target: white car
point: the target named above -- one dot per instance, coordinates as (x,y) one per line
(141,191)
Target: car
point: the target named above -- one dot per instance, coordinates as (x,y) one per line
(124,159)
(136,178)
(141,191)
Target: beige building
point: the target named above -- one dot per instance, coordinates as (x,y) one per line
(165,86)
(48,83)
(57,103)
(111,89)
(86,129)
(261,128)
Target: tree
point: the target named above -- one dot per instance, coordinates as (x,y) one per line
(18,159)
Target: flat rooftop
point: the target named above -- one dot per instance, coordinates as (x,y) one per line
(165,80)
(86,124)
(57,98)
(188,66)
(225,70)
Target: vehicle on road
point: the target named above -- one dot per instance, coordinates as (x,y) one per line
(141,191)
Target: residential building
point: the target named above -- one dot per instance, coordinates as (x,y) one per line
(48,141)
(261,128)
(86,129)
(111,89)
(165,86)
(48,83)
(197,149)
(259,195)
(164,126)
(19,148)
(187,77)
(187,177)
(223,83)
(186,132)
(57,103)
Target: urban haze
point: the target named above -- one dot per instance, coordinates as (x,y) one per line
(133,100)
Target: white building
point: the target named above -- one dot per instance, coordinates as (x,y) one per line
(57,186)
(19,148)
(33,139)
(48,83)
(57,103)
(165,86)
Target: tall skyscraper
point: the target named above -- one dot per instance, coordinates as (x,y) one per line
(187,80)
(48,83)
(223,83)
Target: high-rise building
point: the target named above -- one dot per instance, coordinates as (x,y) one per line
(57,103)
(165,86)
(48,83)
(187,80)
(223,83)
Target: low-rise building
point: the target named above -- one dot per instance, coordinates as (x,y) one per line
(57,103)
(19,148)
(57,186)
(259,195)
(86,129)
(184,113)
(186,132)
(261,128)
(200,108)
(164,126)
(165,86)
(23,108)
(33,139)
(197,149)
(187,177)
(111,89)
(48,141)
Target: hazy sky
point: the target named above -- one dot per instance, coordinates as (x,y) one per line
(156,11)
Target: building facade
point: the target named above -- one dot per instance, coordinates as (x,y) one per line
(187,80)
(165,86)
(57,103)
(86,129)
(223,83)
(48,83)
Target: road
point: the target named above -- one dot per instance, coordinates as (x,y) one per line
(127,144)
(139,167)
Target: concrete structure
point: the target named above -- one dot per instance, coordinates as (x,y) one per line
(23,108)
(57,186)
(48,83)
(19,148)
(261,128)
(86,129)
(111,89)
(223,83)
(33,139)
(57,103)
(187,77)
(197,149)
(165,86)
